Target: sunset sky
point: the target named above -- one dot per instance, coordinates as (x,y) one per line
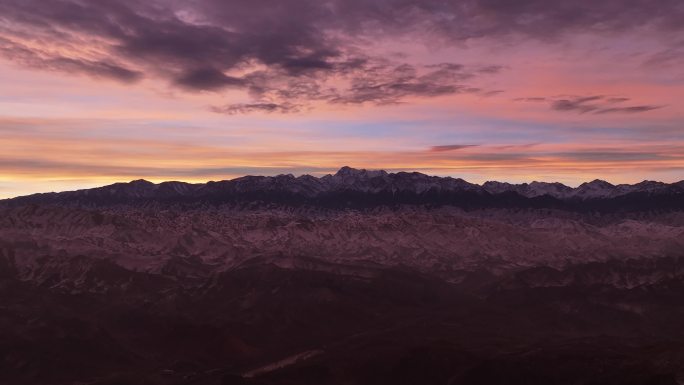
(98,91)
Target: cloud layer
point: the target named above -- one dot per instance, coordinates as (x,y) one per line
(298,51)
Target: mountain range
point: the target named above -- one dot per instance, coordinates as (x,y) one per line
(361,277)
(362,188)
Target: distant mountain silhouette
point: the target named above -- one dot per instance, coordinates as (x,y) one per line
(363,188)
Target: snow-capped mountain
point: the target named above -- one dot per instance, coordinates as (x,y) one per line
(596,189)
(531,190)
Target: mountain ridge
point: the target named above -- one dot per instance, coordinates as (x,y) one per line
(362,188)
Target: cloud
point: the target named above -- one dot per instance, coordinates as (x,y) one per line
(295,47)
(39,59)
(630,109)
(547,20)
(357,81)
(581,104)
(673,56)
(451,147)
(387,83)
(516,146)
(242,108)
(207,79)
(596,104)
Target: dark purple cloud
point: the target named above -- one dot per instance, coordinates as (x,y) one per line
(596,104)
(211,45)
(208,79)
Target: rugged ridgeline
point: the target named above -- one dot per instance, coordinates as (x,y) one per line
(351,188)
(361,277)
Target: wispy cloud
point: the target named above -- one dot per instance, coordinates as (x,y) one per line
(451,147)
(245,108)
(595,104)
(45,60)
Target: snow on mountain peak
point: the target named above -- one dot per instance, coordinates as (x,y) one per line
(347,171)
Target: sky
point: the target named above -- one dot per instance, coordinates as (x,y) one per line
(96,92)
